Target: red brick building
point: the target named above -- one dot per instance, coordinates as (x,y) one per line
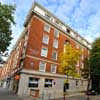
(35,56)
(12,66)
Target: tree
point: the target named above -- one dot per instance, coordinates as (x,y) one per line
(6,19)
(95,64)
(68,60)
(95,57)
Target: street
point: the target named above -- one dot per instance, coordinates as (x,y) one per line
(7,95)
(82,97)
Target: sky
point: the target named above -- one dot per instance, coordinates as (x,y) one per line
(81,15)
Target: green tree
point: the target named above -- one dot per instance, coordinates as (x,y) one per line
(95,57)
(95,65)
(68,60)
(6,19)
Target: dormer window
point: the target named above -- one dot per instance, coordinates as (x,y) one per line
(68,31)
(47,16)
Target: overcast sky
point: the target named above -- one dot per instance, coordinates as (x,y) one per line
(82,15)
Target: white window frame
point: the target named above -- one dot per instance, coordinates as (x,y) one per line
(56,55)
(45,29)
(46,41)
(44,66)
(42,54)
(55,30)
(55,46)
(53,65)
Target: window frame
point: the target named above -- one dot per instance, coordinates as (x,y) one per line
(54,43)
(43,40)
(56,55)
(42,54)
(55,68)
(44,66)
(45,29)
(55,30)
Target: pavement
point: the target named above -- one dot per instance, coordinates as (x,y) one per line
(5,94)
(83,97)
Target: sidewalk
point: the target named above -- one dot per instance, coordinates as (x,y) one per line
(5,94)
(67,96)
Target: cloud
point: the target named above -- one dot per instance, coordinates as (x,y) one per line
(82,15)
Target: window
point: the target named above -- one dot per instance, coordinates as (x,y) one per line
(42,66)
(68,31)
(53,68)
(55,43)
(44,51)
(54,55)
(47,16)
(33,82)
(47,28)
(65,44)
(56,33)
(45,39)
(48,83)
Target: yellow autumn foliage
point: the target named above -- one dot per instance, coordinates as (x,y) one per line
(68,60)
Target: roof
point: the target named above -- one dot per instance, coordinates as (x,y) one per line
(37,4)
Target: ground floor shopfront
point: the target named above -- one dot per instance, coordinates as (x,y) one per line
(39,84)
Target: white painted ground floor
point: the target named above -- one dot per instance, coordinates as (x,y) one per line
(38,84)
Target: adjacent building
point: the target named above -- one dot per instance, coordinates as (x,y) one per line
(33,65)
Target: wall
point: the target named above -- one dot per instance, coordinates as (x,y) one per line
(56,91)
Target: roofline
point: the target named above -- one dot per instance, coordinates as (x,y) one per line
(14,47)
(29,16)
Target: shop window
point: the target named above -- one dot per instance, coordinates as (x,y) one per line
(48,83)
(33,82)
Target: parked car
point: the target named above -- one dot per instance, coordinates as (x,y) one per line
(91,92)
